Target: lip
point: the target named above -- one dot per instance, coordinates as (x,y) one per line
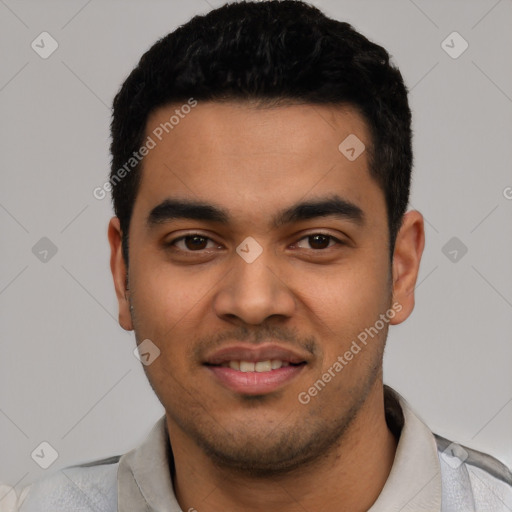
(262,352)
(255,383)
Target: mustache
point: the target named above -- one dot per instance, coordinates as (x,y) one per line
(290,338)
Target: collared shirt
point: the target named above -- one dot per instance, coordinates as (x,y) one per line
(429,474)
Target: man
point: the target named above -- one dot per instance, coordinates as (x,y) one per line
(260,251)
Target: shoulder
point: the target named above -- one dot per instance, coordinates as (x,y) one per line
(83,488)
(467,471)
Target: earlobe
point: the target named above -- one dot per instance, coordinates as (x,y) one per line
(119,273)
(409,246)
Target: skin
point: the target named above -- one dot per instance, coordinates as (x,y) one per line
(269,452)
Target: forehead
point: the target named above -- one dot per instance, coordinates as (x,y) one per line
(256,158)
(249,127)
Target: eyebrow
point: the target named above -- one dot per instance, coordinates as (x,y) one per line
(333,206)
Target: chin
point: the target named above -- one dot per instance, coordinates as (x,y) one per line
(275,450)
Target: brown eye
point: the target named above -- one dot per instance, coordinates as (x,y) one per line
(195,242)
(192,243)
(319,241)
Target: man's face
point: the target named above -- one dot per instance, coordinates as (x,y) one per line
(319,281)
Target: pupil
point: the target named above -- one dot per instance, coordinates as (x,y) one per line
(317,240)
(195,242)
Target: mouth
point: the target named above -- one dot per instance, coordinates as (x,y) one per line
(257,366)
(255,371)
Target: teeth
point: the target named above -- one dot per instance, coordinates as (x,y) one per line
(259,366)
(263,366)
(246,366)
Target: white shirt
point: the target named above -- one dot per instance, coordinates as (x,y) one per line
(429,473)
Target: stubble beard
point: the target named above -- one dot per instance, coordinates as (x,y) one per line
(282,450)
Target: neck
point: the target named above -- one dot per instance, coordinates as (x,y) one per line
(348,478)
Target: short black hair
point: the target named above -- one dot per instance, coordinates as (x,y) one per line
(269,51)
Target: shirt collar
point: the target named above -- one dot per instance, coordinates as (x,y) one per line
(414,483)
(144,480)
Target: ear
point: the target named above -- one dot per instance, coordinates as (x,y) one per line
(119,273)
(409,246)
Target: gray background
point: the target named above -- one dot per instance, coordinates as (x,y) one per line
(68,374)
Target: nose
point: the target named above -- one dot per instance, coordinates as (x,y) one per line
(253,292)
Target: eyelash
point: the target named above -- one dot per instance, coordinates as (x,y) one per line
(172,243)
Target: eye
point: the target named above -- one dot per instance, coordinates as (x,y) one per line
(319,241)
(193,242)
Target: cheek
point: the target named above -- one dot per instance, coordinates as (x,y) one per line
(164,296)
(350,298)
(166,308)
(353,346)
(169,307)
